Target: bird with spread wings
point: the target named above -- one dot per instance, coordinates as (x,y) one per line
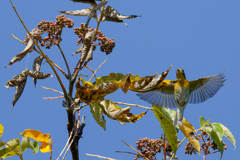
(178,93)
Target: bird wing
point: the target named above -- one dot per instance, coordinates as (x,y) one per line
(163,96)
(204,88)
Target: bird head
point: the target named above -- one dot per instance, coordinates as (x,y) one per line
(180,74)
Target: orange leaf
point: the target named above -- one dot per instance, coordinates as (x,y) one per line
(36,135)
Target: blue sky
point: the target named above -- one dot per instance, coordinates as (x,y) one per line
(202,37)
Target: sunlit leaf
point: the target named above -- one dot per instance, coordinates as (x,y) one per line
(46,145)
(1,129)
(36,66)
(187,129)
(20,56)
(27,143)
(98,114)
(90,93)
(111,14)
(18,92)
(115,112)
(36,135)
(167,127)
(227,133)
(83,12)
(216,139)
(202,121)
(8,150)
(218,129)
(208,130)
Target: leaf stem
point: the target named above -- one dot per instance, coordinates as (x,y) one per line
(65,60)
(178,147)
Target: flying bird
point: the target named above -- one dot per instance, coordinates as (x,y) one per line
(178,93)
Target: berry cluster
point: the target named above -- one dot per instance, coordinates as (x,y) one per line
(53,29)
(150,147)
(207,143)
(106,44)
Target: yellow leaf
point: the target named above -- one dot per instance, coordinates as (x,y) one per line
(46,147)
(187,130)
(36,135)
(1,129)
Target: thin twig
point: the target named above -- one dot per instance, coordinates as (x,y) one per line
(18,39)
(66,144)
(41,53)
(178,147)
(99,156)
(126,152)
(51,89)
(136,105)
(132,148)
(60,69)
(90,70)
(65,60)
(97,70)
(53,97)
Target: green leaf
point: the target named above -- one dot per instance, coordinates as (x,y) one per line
(227,133)
(167,126)
(208,130)
(202,121)
(98,114)
(1,144)
(216,139)
(27,143)
(8,150)
(219,130)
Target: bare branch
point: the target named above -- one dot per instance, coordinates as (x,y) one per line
(136,105)
(99,156)
(51,89)
(97,70)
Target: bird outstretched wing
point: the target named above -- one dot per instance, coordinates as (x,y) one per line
(204,88)
(162,96)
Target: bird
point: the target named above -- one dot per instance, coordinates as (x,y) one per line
(178,93)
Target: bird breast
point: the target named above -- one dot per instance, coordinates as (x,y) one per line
(181,94)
